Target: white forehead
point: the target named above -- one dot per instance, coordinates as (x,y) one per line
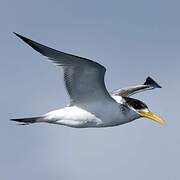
(118,99)
(145,110)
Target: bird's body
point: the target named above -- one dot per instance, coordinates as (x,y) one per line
(95,115)
(91,105)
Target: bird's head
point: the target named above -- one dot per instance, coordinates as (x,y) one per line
(141,109)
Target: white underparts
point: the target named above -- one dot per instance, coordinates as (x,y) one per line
(72,116)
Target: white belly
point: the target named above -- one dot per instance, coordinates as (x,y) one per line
(74,117)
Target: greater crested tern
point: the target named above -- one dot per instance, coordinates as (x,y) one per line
(91,105)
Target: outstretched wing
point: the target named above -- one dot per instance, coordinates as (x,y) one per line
(84,78)
(149,84)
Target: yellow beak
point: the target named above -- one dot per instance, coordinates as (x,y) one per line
(152,116)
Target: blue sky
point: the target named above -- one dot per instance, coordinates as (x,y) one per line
(133,39)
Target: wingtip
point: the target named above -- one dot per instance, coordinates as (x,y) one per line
(36,46)
(151,82)
(20,36)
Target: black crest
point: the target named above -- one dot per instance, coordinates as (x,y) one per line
(135,103)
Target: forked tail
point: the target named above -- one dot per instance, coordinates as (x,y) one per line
(26,121)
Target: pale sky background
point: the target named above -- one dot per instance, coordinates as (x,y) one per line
(133,39)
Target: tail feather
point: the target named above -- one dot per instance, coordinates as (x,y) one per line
(25,121)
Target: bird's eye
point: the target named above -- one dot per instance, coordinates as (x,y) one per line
(137,106)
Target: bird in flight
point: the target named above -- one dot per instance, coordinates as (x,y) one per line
(91,105)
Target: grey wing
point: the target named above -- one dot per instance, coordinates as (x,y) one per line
(149,84)
(84,78)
